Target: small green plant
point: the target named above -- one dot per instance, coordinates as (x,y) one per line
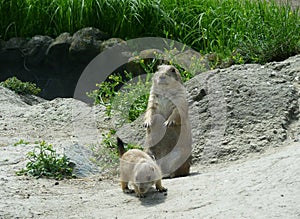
(128,102)
(44,162)
(20,87)
(106,91)
(185,75)
(131,101)
(107,155)
(110,143)
(22,141)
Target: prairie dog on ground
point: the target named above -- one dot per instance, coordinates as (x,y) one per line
(168,136)
(138,168)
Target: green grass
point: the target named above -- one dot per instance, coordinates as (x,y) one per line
(241,30)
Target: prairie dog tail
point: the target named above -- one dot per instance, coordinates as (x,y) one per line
(121,148)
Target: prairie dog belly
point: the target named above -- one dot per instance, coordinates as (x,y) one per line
(164,107)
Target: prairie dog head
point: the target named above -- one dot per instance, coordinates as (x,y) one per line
(167,75)
(146,174)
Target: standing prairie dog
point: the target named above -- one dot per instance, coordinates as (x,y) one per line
(168,136)
(138,168)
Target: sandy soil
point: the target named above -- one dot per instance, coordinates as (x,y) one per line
(260,187)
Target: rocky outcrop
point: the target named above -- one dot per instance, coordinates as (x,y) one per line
(239,110)
(56,65)
(53,64)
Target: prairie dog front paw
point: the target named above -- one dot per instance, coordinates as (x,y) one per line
(174,119)
(148,122)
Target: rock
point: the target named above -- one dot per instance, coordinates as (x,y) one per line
(15,43)
(10,98)
(239,110)
(111,43)
(133,132)
(91,33)
(58,51)
(35,49)
(31,99)
(146,56)
(189,60)
(11,51)
(241,104)
(86,44)
(150,54)
(80,160)
(49,63)
(62,121)
(193,61)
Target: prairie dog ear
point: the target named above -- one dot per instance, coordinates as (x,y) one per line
(176,73)
(159,67)
(174,70)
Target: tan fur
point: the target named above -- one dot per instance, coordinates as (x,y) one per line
(138,168)
(168,136)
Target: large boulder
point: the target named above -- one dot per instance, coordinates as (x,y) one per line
(238,110)
(86,44)
(35,50)
(58,50)
(11,51)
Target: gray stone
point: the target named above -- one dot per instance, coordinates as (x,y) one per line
(86,44)
(91,32)
(80,160)
(243,103)
(35,49)
(111,43)
(15,43)
(58,50)
(11,51)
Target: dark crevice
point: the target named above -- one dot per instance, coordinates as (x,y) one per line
(200,96)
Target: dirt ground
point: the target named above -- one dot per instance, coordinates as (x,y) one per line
(264,186)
